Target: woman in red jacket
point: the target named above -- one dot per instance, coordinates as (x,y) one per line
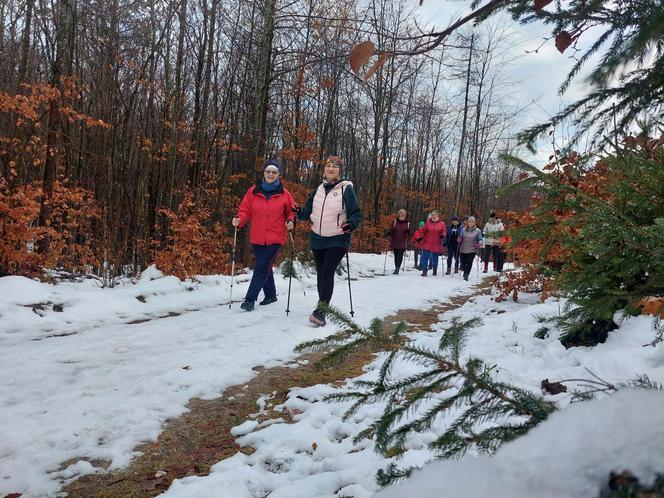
(267,207)
(434,232)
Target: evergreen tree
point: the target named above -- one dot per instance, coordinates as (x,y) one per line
(486,412)
(601,234)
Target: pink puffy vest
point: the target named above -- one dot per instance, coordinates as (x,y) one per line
(328,212)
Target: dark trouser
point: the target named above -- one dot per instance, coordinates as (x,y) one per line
(327,261)
(502,256)
(492,251)
(398,258)
(429,257)
(467,262)
(263,277)
(453,255)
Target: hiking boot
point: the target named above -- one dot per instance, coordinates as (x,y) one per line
(449,270)
(268,300)
(317,318)
(247,305)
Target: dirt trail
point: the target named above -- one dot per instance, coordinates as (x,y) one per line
(192,443)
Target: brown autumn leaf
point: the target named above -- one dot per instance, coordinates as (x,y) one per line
(372,70)
(540,4)
(563,40)
(360,54)
(553,387)
(652,306)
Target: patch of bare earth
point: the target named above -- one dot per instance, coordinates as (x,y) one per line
(192,443)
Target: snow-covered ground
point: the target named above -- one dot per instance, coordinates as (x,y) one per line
(108,385)
(85,376)
(568,456)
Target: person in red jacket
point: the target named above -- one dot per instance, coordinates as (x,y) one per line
(267,207)
(434,232)
(417,243)
(398,233)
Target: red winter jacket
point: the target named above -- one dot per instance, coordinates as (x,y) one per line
(418,236)
(398,233)
(267,217)
(434,232)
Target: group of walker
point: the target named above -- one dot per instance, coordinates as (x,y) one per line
(271,211)
(334,212)
(461,241)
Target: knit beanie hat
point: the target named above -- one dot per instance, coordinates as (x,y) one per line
(421,224)
(272,162)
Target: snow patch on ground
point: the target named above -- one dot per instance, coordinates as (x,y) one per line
(570,455)
(89,373)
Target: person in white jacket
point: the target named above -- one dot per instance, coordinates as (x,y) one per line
(492,232)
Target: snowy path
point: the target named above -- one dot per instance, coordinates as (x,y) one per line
(82,383)
(568,457)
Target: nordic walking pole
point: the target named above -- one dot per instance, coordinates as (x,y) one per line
(290,276)
(230,301)
(350,294)
(387,249)
(295,252)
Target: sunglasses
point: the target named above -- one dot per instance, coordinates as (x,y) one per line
(272,170)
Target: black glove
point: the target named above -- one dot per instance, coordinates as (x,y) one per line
(346,227)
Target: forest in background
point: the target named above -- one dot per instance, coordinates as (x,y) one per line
(130,130)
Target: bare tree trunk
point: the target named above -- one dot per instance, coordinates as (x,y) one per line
(457,179)
(25,43)
(52,148)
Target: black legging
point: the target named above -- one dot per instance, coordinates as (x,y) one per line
(467,262)
(398,257)
(453,255)
(327,261)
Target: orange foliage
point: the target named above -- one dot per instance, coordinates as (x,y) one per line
(536,255)
(70,235)
(192,247)
(651,306)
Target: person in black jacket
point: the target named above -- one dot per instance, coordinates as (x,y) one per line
(452,244)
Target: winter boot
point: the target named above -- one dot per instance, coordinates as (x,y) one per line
(268,300)
(449,270)
(486,267)
(317,318)
(465,277)
(435,271)
(424,273)
(396,271)
(456,269)
(247,305)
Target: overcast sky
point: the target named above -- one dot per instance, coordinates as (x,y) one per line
(537,75)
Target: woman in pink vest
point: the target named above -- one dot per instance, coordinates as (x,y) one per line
(334,213)
(267,207)
(434,234)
